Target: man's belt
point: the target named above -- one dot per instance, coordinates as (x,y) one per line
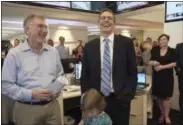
(35,103)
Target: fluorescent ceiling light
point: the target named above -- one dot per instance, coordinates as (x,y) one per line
(15,22)
(93,30)
(8,32)
(11,28)
(58,21)
(66,22)
(93,27)
(4,34)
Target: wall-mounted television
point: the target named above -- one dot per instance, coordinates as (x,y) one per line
(173,11)
(125,5)
(54,3)
(81,5)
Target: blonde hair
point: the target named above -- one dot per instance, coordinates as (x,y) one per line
(92,99)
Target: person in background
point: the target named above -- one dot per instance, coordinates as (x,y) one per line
(28,72)
(92,106)
(63,51)
(137,51)
(163,60)
(16,42)
(146,54)
(149,40)
(50,42)
(154,44)
(79,52)
(74,52)
(109,66)
(141,46)
(179,70)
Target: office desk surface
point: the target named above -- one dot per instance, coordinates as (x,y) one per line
(67,95)
(73,94)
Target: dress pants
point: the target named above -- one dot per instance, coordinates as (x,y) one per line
(120,114)
(180,78)
(48,114)
(7,106)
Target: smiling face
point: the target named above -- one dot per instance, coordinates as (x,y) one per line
(106,22)
(163,41)
(36,30)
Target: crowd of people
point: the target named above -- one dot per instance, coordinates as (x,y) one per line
(108,78)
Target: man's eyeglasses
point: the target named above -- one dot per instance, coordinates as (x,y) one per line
(107,17)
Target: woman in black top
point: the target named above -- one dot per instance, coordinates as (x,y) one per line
(163,60)
(79,52)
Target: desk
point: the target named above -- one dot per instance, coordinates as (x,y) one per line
(64,96)
(141,105)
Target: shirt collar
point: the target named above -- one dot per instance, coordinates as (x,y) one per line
(110,37)
(25,46)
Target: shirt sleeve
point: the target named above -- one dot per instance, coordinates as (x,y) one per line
(9,79)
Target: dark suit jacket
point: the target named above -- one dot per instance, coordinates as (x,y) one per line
(179,53)
(124,68)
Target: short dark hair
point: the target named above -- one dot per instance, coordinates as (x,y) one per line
(61,38)
(165,35)
(149,38)
(107,10)
(17,40)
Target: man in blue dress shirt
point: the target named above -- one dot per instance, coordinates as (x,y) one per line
(27,72)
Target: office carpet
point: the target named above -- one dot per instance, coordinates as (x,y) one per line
(174,115)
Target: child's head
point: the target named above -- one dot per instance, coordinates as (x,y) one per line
(92,103)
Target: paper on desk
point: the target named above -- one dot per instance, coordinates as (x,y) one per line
(57,85)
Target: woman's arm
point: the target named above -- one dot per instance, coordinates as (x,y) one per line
(169,66)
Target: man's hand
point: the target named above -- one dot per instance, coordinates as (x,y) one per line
(41,94)
(158,68)
(56,96)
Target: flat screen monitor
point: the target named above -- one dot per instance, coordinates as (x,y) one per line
(141,76)
(125,5)
(54,3)
(81,5)
(78,68)
(68,64)
(173,11)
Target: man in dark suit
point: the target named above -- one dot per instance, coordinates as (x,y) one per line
(179,69)
(109,66)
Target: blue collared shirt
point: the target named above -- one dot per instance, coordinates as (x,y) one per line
(24,70)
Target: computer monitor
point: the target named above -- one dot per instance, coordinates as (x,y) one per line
(78,68)
(141,76)
(68,64)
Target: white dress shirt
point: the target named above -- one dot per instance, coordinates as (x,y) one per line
(102,46)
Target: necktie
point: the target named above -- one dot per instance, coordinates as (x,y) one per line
(106,70)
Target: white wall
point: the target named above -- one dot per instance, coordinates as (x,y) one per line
(154,34)
(175,30)
(71,34)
